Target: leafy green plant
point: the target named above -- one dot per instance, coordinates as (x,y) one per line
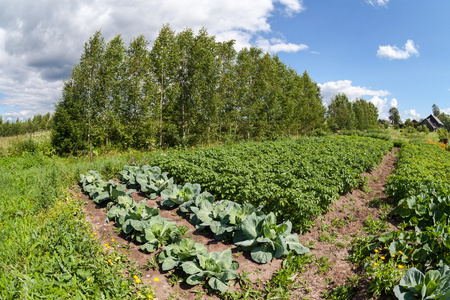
(158,231)
(384,272)
(216,267)
(129,173)
(222,217)
(195,202)
(152,184)
(273,240)
(178,194)
(435,284)
(92,182)
(180,251)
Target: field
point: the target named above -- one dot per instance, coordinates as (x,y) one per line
(306,218)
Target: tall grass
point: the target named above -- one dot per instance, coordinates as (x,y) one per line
(46,248)
(30,142)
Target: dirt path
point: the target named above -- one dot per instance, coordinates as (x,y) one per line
(329,241)
(333,232)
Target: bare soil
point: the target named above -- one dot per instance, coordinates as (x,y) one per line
(329,239)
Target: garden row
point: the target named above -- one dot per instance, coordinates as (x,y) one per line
(420,186)
(246,225)
(296,179)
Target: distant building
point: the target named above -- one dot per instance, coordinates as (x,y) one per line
(432,122)
(388,122)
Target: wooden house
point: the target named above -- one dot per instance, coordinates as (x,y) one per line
(432,122)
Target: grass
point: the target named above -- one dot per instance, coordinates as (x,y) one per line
(399,135)
(47,248)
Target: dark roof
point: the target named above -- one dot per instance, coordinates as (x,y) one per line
(436,119)
(427,120)
(433,121)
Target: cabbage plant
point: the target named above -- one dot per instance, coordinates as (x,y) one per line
(152,184)
(216,267)
(435,284)
(158,231)
(179,252)
(92,182)
(178,194)
(129,174)
(186,207)
(266,238)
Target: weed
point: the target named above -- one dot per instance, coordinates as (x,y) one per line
(152,263)
(323,264)
(327,237)
(338,223)
(373,226)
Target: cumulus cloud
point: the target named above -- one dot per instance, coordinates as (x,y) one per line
(275,45)
(446,110)
(412,113)
(378,2)
(332,88)
(383,105)
(292,6)
(393,103)
(393,52)
(40,41)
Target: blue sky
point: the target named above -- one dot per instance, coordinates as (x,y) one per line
(389,52)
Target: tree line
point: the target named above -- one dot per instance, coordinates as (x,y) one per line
(186,89)
(34,124)
(344,114)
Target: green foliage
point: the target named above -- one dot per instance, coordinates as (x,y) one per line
(187,89)
(295,179)
(47,251)
(35,124)
(394,116)
(266,238)
(435,284)
(421,169)
(179,194)
(216,267)
(179,252)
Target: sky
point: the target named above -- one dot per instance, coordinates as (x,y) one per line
(393,53)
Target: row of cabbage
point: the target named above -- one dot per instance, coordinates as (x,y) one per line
(143,224)
(296,179)
(420,186)
(243,224)
(246,225)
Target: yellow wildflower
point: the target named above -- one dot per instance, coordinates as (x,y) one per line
(383,257)
(138,281)
(156,279)
(376,250)
(89,279)
(375,264)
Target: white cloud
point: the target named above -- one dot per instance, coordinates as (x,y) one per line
(40,41)
(393,103)
(412,113)
(383,105)
(332,88)
(446,110)
(378,2)
(279,45)
(293,6)
(393,52)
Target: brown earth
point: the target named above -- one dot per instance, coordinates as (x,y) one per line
(328,240)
